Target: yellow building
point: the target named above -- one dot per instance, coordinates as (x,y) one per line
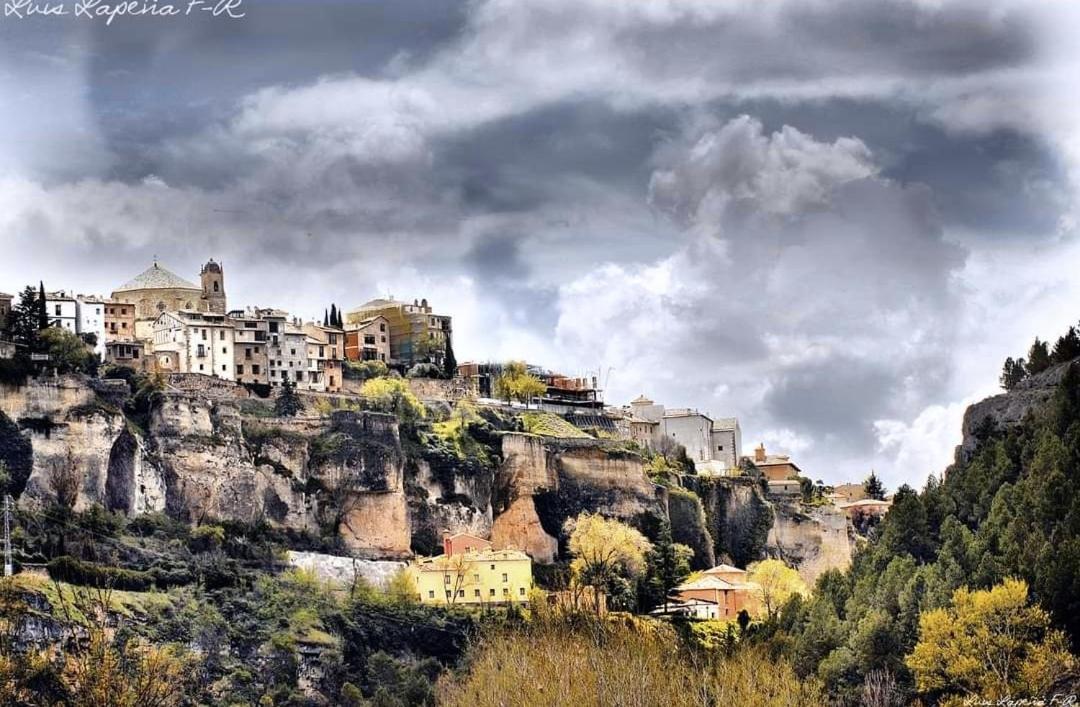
(416,333)
(474,577)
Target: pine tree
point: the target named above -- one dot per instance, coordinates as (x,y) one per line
(449,360)
(1067,347)
(874,488)
(1012,373)
(1038,357)
(42,307)
(333,314)
(288,403)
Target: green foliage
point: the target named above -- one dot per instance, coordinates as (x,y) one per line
(873,487)
(547,424)
(1038,357)
(1012,373)
(1067,347)
(288,403)
(667,565)
(449,359)
(516,383)
(393,396)
(364,370)
(67,352)
(424,370)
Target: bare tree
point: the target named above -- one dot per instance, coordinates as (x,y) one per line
(880,690)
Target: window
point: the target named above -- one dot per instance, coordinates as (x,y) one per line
(224,350)
(382,327)
(505,578)
(461,592)
(720,448)
(221,335)
(239,370)
(431,594)
(247,353)
(449,594)
(476,577)
(506,591)
(446,579)
(58,310)
(491,592)
(204,334)
(216,286)
(255,369)
(493,567)
(200,366)
(224,369)
(521,591)
(476,593)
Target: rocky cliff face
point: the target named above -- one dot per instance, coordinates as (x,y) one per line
(544,481)
(1007,409)
(813,539)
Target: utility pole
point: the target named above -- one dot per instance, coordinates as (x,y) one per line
(7,536)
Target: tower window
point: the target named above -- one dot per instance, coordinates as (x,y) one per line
(216,286)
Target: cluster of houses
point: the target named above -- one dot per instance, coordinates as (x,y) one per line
(158,321)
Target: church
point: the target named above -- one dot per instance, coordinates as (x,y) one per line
(157,289)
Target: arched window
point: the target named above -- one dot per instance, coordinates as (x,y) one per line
(216,288)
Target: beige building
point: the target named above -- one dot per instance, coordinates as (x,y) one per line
(289,358)
(5,308)
(325,353)
(119,321)
(157,290)
(368,340)
(131,354)
(417,334)
(774,467)
(194,342)
(475,576)
(250,347)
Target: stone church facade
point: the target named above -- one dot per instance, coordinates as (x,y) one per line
(156,290)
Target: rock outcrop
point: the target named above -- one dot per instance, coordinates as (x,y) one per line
(813,539)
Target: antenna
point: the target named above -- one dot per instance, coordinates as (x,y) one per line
(7,536)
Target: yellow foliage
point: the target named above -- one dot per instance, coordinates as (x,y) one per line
(776,583)
(623,662)
(989,643)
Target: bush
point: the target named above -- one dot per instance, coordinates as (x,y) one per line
(364,370)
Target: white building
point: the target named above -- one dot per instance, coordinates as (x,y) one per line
(194,342)
(713,445)
(91,320)
(290,362)
(62,310)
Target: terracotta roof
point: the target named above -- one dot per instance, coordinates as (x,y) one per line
(710,582)
(722,568)
(865,502)
(439,562)
(156,277)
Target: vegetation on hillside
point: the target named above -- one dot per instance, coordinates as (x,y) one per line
(547,424)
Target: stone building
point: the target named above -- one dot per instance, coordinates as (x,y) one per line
(774,467)
(131,354)
(713,445)
(5,308)
(325,353)
(194,342)
(119,321)
(250,347)
(417,334)
(289,358)
(156,290)
(368,340)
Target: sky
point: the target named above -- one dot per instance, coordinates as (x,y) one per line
(832,219)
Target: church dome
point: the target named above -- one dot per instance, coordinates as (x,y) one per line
(156,277)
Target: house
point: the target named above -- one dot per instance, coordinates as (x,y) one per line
(325,352)
(713,445)
(194,342)
(774,467)
(62,310)
(471,572)
(728,573)
(250,344)
(848,493)
(693,608)
(865,508)
(417,334)
(91,320)
(119,321)
(5,308)
(729,597)
(131,354)
(368,340)
(288,358)
(566,395)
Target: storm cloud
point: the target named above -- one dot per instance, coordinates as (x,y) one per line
(832,219)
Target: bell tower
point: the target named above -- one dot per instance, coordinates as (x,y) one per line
(213,287)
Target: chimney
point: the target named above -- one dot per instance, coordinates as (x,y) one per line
(447,546)
(759,453)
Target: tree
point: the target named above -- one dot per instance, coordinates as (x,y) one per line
(776,583)
(989,643)
(874,488)
(516,383)
(603,551)
(449,360)
(1012,373)
(68,353)
(392,395)
(23,319)
(668,564)
(42,307)
(326,317)
(288,403)
(1067,347)
(1038,357)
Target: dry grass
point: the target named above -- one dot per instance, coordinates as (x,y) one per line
(626,664)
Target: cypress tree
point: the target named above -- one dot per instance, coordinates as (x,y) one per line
(449,361)
(42,307)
